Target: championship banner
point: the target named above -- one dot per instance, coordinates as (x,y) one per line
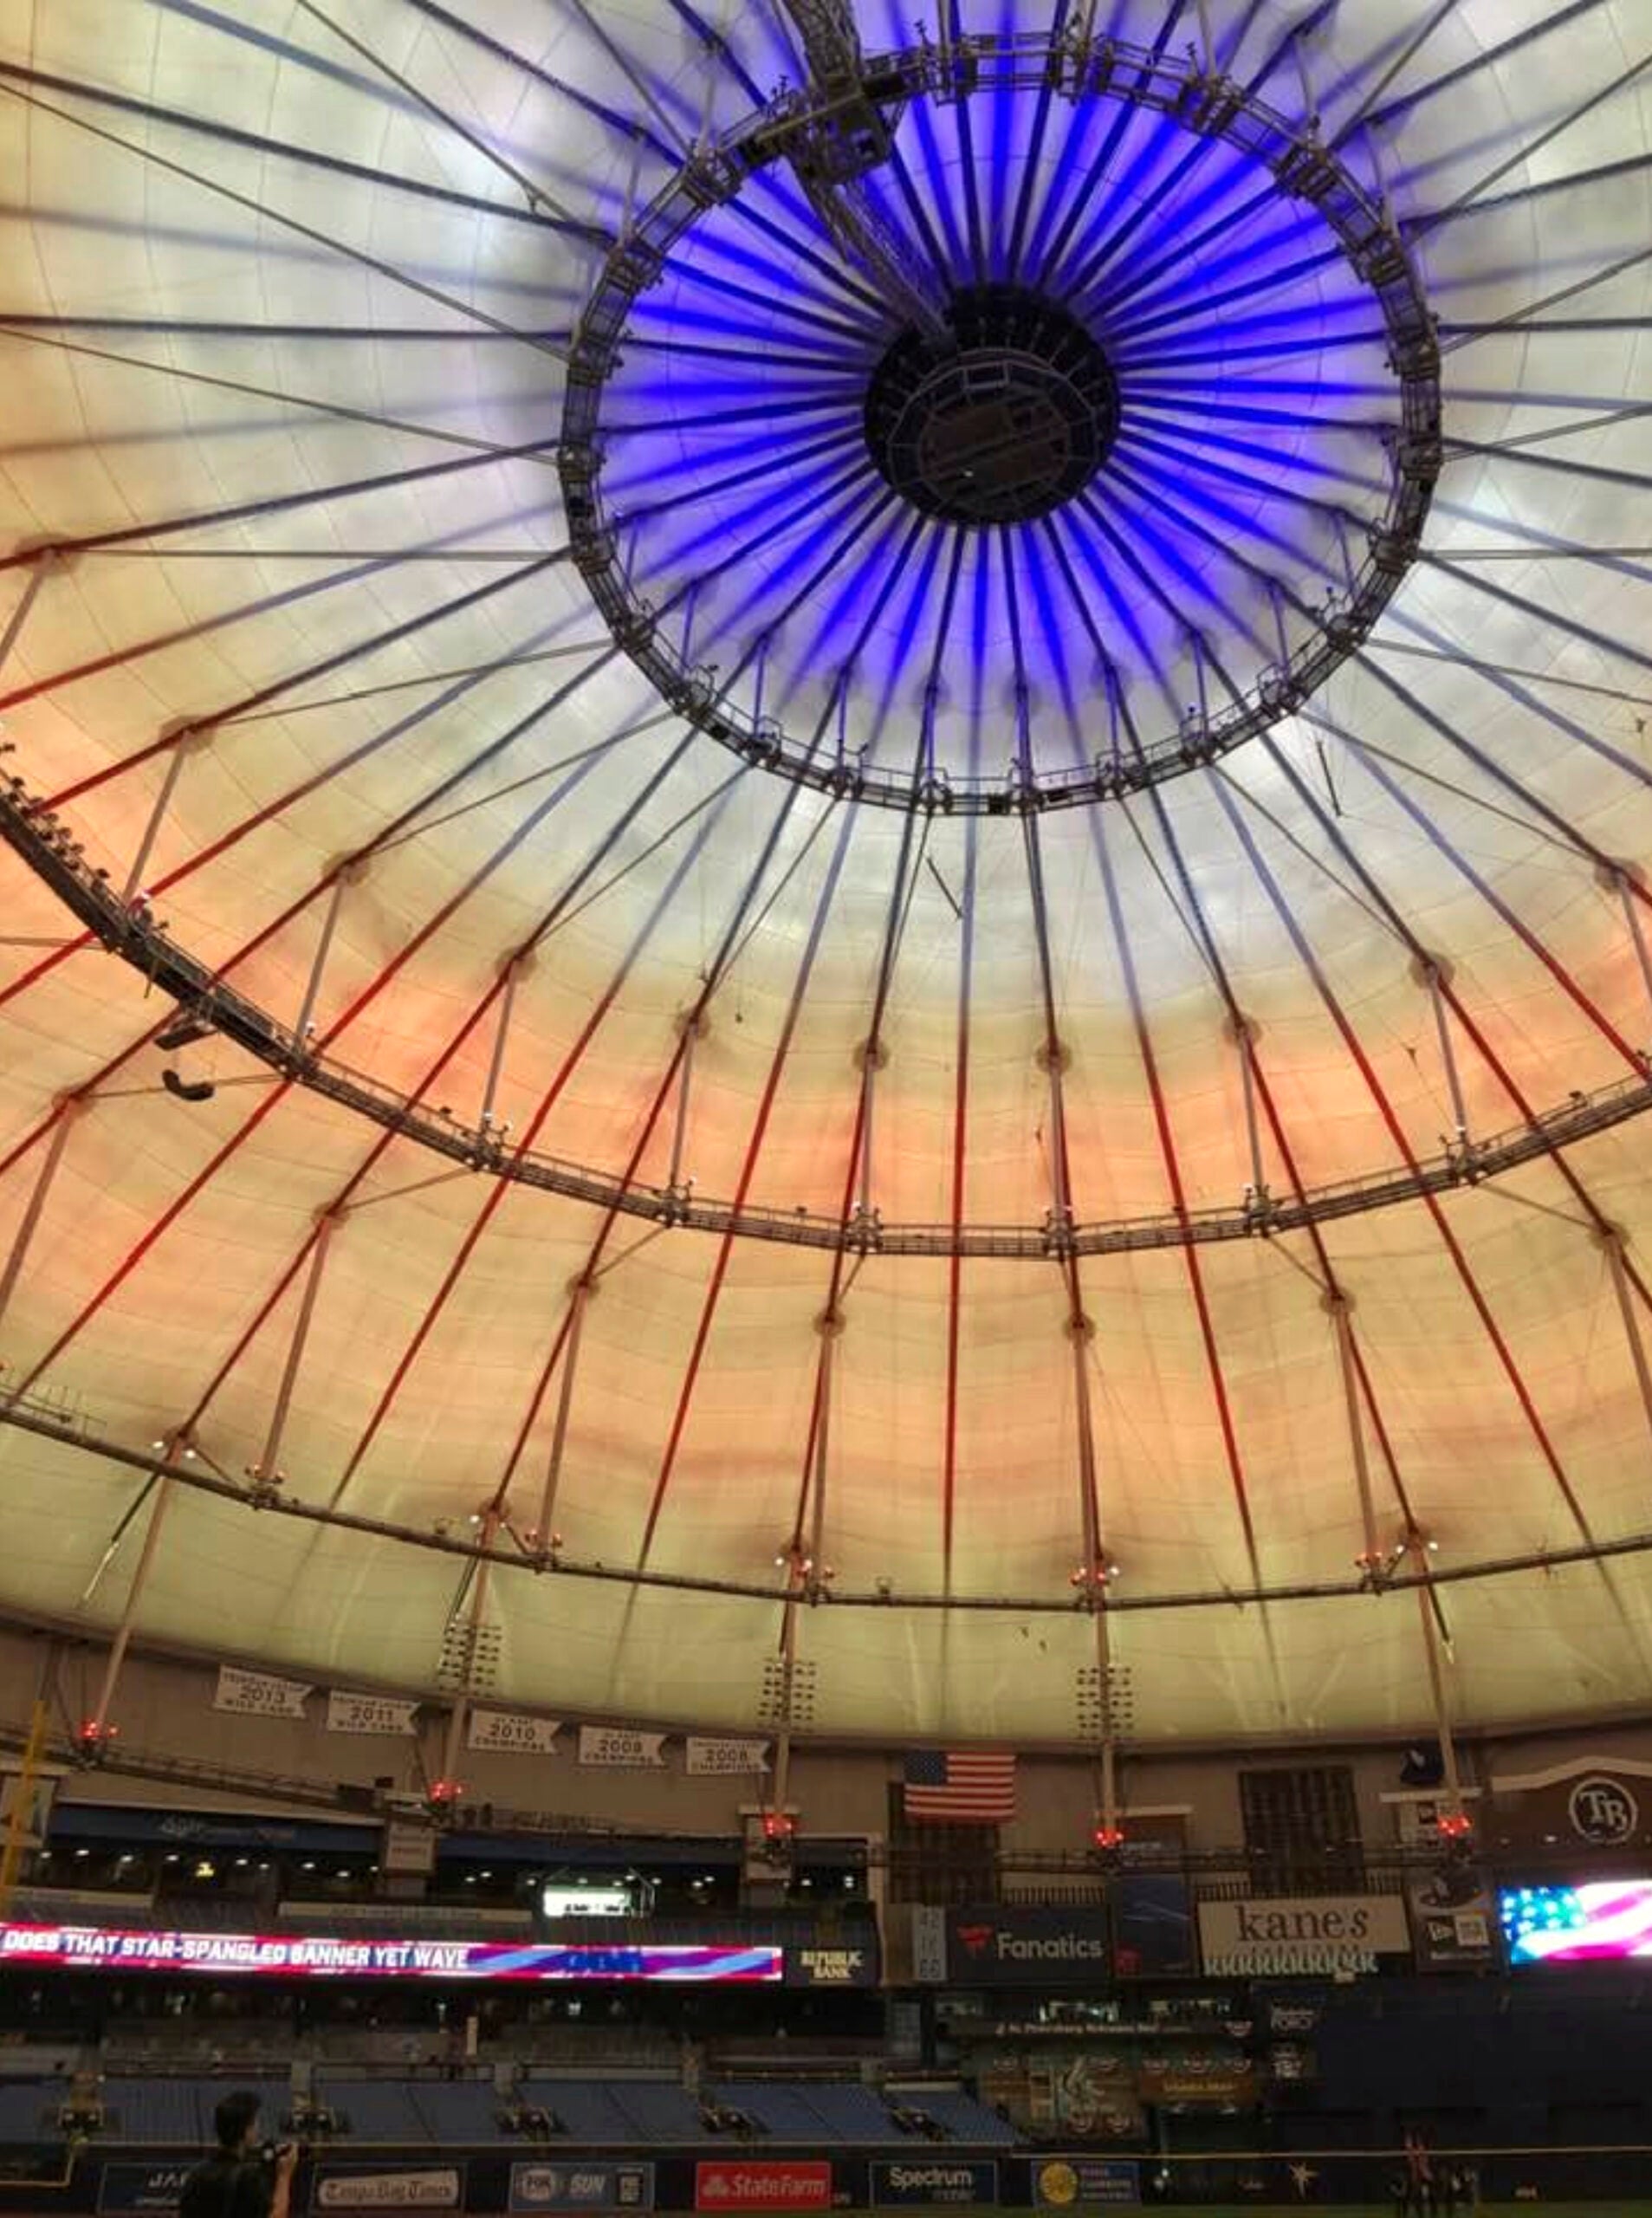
(218,1956)
(379,2187)
(368,1714)
(722,1759)
(621,1748)
(508,1732)
(257,1693)
(1312,1936)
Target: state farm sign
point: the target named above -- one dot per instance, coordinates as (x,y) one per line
(743,2185)
(1302,1936)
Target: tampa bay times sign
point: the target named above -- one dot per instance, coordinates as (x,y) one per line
(1312,1936)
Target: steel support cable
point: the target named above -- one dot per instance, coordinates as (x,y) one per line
(1536,1122)
(1542,1562)
(1520,318)
(736,938)
(1401,62)
(283,150)
(482,450)
(748,1172)
(458,682)
(1561,831)
(393,635)
(269,504)
(1163,202)
(1599,1222)
(293,1074)
(533,193)
(1496,771)
(765,1108)
(1423,226)
(1580,1118)
(594,1016)
(1201,929)
(343,1199)
(1097,171)
(1555,19)
(139,943)
(253,206)
(1513,1374)
(1635,1061)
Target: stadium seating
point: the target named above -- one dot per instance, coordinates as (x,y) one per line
(962,2117)
(162,2109)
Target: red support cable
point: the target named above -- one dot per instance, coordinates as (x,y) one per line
(754,1149)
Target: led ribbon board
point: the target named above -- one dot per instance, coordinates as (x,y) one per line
(76,1947)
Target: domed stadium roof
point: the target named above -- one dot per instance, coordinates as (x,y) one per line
(816,809)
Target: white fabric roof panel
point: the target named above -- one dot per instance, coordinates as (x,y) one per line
(279,326)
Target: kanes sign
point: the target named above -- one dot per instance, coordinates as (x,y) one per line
(1308,1936)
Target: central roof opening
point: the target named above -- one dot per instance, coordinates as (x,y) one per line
(1005,424)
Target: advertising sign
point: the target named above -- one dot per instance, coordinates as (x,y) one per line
(619,1747)
(743,2185)
(1608,1918)
(1153,1916)
(933,2179)
(124,2188)
(814,1966)
(1306,1937)
(1453,1917)
(509,1733)
(224,1954)
(348,1713)
(997,1946)
(377,2187)
(581,2186)
(257,1693)
(1602,1803)
(1081,2182)
(723,1759)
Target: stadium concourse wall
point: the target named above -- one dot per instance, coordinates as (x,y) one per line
(146,2182)
(175,1748)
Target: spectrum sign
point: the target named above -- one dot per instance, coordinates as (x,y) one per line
(227,1955)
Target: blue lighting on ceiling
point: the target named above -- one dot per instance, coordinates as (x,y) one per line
(1254,391)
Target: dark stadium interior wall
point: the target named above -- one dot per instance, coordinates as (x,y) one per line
(167,1719)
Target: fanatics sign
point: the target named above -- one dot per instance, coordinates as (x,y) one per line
(995,1947)
(1312,1936)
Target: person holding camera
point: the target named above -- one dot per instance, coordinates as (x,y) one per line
(243,2177)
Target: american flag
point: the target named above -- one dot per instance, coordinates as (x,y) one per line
(948,1787)
(1610,1918)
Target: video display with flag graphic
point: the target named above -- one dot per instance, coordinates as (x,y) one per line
(78,1948)
(1604,1918)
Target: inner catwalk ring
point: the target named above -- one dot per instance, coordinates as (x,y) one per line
(995,428)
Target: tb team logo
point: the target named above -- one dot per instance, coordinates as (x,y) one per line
(1603,1812)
